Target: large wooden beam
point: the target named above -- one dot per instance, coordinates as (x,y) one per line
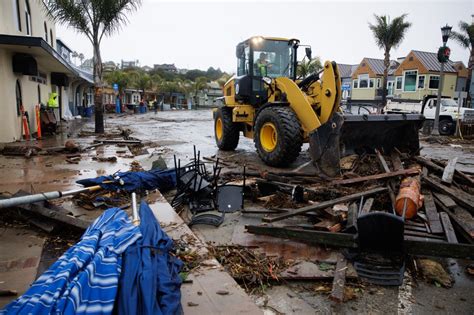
(308,236)
(325,204)
(439,249)
(410,171)
(461,219)
(412,245)
(462,198)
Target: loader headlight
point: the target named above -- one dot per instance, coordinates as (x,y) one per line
(267,80)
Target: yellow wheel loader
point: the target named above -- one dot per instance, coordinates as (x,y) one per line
(268,103)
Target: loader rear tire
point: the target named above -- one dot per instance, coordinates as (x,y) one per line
(278,136)
(226,132)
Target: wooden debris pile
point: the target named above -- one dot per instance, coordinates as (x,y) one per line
(254,270)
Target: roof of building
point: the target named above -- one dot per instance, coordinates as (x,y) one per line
(346,70)
(431,63)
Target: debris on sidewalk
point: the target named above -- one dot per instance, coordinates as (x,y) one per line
(434,272)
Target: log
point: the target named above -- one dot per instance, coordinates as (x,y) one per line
(448,172)
(410,171)
(325,204)
(462,198)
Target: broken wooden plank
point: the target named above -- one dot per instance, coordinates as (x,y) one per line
(312,237)
(435,248)
(410,171)
(412,244)
(351,225)
(446,200)
(448,172)
(462,198)
(367,206)
(325,204)
(438,168)
(432,214)
(396,161)
(42,210)
(111,141)
(423,234)
(339,282)
(461,220)
(448,228)
(391,185)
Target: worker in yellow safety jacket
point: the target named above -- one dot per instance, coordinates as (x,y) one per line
(53,100)
(262,65)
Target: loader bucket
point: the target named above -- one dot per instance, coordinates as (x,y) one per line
(357,134)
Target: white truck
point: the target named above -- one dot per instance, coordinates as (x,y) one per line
(448,114)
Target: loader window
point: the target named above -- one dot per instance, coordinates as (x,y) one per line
(243,62)
(272,58)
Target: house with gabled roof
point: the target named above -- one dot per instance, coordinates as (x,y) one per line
(419,75)
(345,72)
(367,79)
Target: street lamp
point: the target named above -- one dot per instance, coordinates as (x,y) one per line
(445,32)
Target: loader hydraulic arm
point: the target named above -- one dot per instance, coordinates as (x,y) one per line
(315,106)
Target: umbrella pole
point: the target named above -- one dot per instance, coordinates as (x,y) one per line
(135,217)
(16,201)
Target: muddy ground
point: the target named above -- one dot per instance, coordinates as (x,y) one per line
(166,134)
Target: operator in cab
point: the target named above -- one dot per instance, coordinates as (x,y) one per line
(262,65)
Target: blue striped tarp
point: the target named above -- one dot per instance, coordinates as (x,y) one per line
(83,280)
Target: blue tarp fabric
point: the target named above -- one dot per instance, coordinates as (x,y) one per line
(135,181)
(84,280)
(150,281)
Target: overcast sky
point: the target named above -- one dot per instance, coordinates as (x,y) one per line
(200,34)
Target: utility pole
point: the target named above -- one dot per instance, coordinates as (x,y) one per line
(443,57)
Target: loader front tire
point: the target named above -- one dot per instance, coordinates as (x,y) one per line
(226,132)
(278,136)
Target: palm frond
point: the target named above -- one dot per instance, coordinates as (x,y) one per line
(462,39)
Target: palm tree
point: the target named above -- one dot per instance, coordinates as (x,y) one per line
(95,19)
(388,35)
(465,38)
(306,68)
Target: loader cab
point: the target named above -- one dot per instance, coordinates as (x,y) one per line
(260,57)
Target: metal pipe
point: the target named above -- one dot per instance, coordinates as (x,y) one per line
(135,217)
(16,201)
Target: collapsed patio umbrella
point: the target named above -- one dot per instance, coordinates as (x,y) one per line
(135,181)
(83,280)
(150,281)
